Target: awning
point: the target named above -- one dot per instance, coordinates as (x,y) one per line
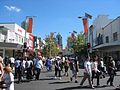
(10,46)
(107,45)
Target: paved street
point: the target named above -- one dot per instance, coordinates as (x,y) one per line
(47,82)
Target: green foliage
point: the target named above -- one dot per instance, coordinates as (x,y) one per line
(78,45)
(50,48)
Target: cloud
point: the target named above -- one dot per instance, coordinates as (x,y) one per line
(12,8)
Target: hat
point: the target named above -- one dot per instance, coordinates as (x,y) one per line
(8,69)
(1,59)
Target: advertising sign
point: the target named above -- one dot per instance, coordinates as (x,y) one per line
(11,36)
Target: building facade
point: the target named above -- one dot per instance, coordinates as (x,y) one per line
(12,39)
(106,37)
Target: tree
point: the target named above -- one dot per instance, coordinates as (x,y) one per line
(50,48)
(77,46)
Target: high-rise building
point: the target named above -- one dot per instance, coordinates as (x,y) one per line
(59,40)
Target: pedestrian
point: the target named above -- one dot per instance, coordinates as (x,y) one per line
(118,65)
(49,64)
(1,68)
(38,67)
(17,67)
(87,72)
(74,68)
(111,71)
(12,62)
(58,67)
(23,61)
(66,66)
(29,66)
(95,71)
(8,78)
(6,61)
(101,67)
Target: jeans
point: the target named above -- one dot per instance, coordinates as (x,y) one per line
(111,78)
(97,76)
(38,73)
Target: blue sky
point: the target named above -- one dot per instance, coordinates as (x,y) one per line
(56,15)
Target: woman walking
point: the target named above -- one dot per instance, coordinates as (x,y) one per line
(95,70)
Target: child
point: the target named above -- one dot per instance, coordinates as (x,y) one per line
(8,78)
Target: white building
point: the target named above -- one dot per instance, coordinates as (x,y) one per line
(12,37)
(106,37)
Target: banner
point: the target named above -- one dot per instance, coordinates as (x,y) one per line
(31,41)
(85,24)
(30,25)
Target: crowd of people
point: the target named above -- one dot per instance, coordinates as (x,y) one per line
(94,67)
(31,67)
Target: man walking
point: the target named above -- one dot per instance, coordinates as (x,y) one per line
(87,72)
(38,66)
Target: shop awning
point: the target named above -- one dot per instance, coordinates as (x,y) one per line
(10,45)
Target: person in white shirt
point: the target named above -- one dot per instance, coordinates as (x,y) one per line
(12,62)
(87,72)
(38,66)
(95,70)
(29,66)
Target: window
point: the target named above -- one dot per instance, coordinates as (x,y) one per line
(115,37)
(107,39)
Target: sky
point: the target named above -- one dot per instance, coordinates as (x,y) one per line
(60,16)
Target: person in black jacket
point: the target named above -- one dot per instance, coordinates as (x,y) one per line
(58,67)
(74,68)
(111,71)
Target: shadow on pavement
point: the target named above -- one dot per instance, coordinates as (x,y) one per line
(60,82)
(23,81)
(46,79)
(77,87)
(80,87)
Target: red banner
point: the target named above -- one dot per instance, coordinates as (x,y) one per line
(30,24)
(31,40)
(85,24)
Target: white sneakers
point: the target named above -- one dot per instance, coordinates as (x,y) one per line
(56,78)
